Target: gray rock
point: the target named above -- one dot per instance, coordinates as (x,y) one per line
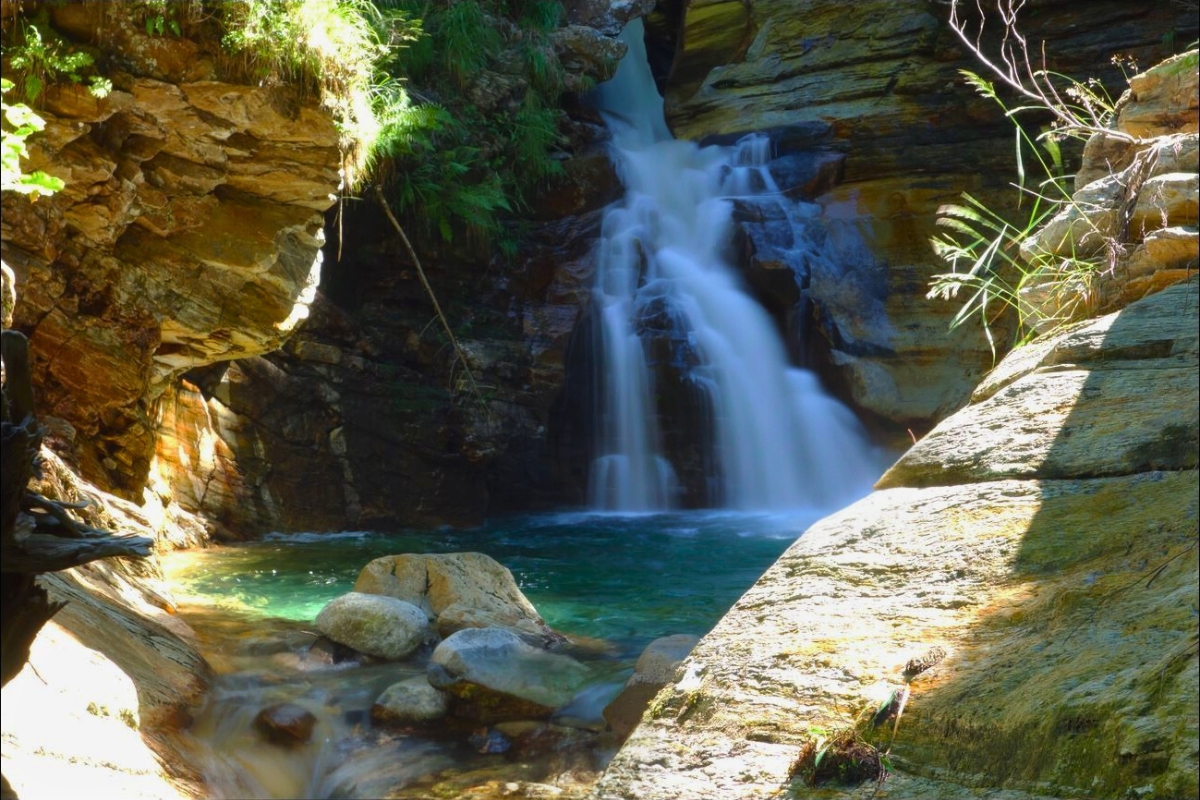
(459,590)
(1077,405)
(412,700)
(494,675)
(655,669)
(375,625)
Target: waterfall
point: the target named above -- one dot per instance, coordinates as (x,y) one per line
(777,441)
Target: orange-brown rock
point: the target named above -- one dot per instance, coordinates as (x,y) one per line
(188,233)
(881,84)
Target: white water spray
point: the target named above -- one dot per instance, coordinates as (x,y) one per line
(778,442)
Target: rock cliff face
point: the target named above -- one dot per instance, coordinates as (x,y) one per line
(880,86)
(364,418)
(189,233)
(1025,578)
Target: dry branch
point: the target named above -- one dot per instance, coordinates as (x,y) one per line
(32,527)
(1030,77)
(458,351)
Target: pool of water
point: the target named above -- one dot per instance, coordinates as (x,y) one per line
(623,579)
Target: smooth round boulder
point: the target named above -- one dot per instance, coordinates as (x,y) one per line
(655,669)
(493,675)
(373,624)
(408,701)
(458,590)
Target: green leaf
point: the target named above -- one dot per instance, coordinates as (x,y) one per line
(983,87)
(33,87)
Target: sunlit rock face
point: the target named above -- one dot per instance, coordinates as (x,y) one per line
(1036,550)
(1136,202)
(883,89)
(189,233)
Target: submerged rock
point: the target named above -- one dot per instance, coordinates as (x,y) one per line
(285,724)
(375,625)
(533,740)
(495,675)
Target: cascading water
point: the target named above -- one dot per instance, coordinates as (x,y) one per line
(778,442)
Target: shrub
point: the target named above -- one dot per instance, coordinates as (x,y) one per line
(984,249)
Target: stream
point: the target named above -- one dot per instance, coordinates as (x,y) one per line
(616,581)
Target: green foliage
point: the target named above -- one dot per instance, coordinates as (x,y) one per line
(450,189)
(452,172)
(537,15)
(997,263)
(456,173)
(464,39)
(160,24)
(39,57)
(535,132)
(544,71)
(983,248)
(19,123)
(339,49)
(161,16)
(842,757)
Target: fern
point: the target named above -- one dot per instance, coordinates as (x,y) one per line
(466,38)
(41,57)
(539,15)
(455,173)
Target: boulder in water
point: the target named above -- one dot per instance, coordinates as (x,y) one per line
(375,625)
(285,724)
(412,700)
(459,590)
(493,675)
(655,669)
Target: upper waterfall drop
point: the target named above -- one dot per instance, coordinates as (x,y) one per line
(777,441)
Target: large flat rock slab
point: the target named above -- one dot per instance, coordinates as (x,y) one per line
(1113,396)
(1044,615)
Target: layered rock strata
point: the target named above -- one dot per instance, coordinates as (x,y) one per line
(189,233)
(882,87)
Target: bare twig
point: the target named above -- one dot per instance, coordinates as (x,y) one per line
(1017,71)
(458,351)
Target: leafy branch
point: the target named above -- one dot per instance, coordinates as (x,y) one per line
(20,122)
